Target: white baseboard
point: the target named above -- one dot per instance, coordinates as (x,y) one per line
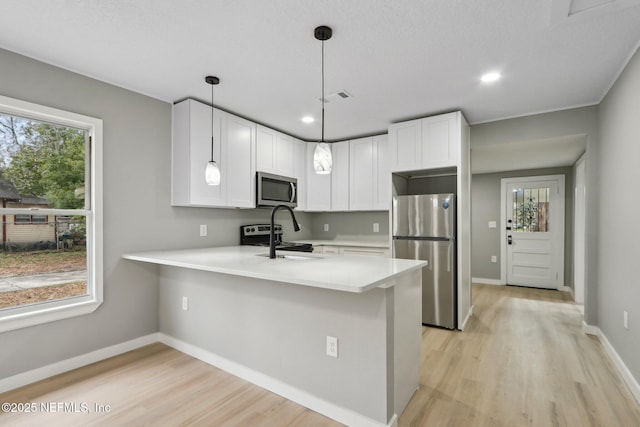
(331,410)
(466,319)
(44,372)
(482,281)
(625,373)
(590,330)
(570,290)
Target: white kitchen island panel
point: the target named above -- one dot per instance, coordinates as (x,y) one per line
(274,333)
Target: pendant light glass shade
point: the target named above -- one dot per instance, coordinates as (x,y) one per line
(212,171)
(322,159)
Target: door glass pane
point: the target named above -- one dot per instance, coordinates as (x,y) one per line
(531,210)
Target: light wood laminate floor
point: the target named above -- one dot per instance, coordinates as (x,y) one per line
(522,361)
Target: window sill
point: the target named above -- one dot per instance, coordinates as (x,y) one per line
(45,313)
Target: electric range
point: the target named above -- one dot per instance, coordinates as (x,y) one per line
(258,235)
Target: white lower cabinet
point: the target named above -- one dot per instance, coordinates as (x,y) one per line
(326,249)
(356,250)
(351,250)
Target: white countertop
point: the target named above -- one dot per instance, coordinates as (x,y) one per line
(337,272)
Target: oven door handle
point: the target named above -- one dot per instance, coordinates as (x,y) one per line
(293,192)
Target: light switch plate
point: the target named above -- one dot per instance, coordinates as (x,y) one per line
(203,230)
(326,227)
(376,227)
(492,224)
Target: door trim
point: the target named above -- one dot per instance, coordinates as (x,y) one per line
(503,219)
(580,234)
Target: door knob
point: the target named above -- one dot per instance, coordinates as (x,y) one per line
(509,240)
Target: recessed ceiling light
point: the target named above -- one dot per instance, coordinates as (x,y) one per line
(308,119)
(490,77)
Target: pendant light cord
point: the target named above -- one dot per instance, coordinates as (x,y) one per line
(322,99)
(212,122)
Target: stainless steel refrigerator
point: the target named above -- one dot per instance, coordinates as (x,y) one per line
(424,228)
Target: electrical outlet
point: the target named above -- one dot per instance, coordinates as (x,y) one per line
(326,227)
(376,227)
(494,258)
(185,303)
(203,230)
(332,346)
(625,316)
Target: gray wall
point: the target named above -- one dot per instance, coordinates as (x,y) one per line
(577,121)
(485,203)
(345,225)
(433,185)
(619,235)
(137,212)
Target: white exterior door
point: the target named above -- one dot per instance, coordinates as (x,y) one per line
(534,231)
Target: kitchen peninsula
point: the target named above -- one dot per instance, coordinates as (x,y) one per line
(270,321)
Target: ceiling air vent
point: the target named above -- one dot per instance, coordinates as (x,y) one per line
(337,96)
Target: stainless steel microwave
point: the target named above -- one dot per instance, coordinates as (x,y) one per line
(273,190)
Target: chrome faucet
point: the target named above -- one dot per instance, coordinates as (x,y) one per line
(272,234)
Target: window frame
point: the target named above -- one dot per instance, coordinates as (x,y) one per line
(40,313)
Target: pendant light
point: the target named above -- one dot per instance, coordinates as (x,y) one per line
(212,171)
(322,160)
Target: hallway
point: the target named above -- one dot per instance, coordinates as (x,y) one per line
(522,361)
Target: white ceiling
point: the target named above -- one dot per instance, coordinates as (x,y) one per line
(399,59)
(533,154)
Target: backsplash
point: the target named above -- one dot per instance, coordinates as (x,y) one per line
(349,225)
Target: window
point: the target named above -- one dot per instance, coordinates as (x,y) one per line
(51,208)
(26,218)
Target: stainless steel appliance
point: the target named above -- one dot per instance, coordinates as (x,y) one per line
(258,235)
(273,190)
(424,228)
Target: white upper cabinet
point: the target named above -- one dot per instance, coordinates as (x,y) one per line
(300,171)
(440,141)
(363,173)
(382,191)
(340,176)
(234,152)
(239,158)
(370,178)
(432,142)
(265,148)
(318,186)
(275,152)
(285,155)
(405,145)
